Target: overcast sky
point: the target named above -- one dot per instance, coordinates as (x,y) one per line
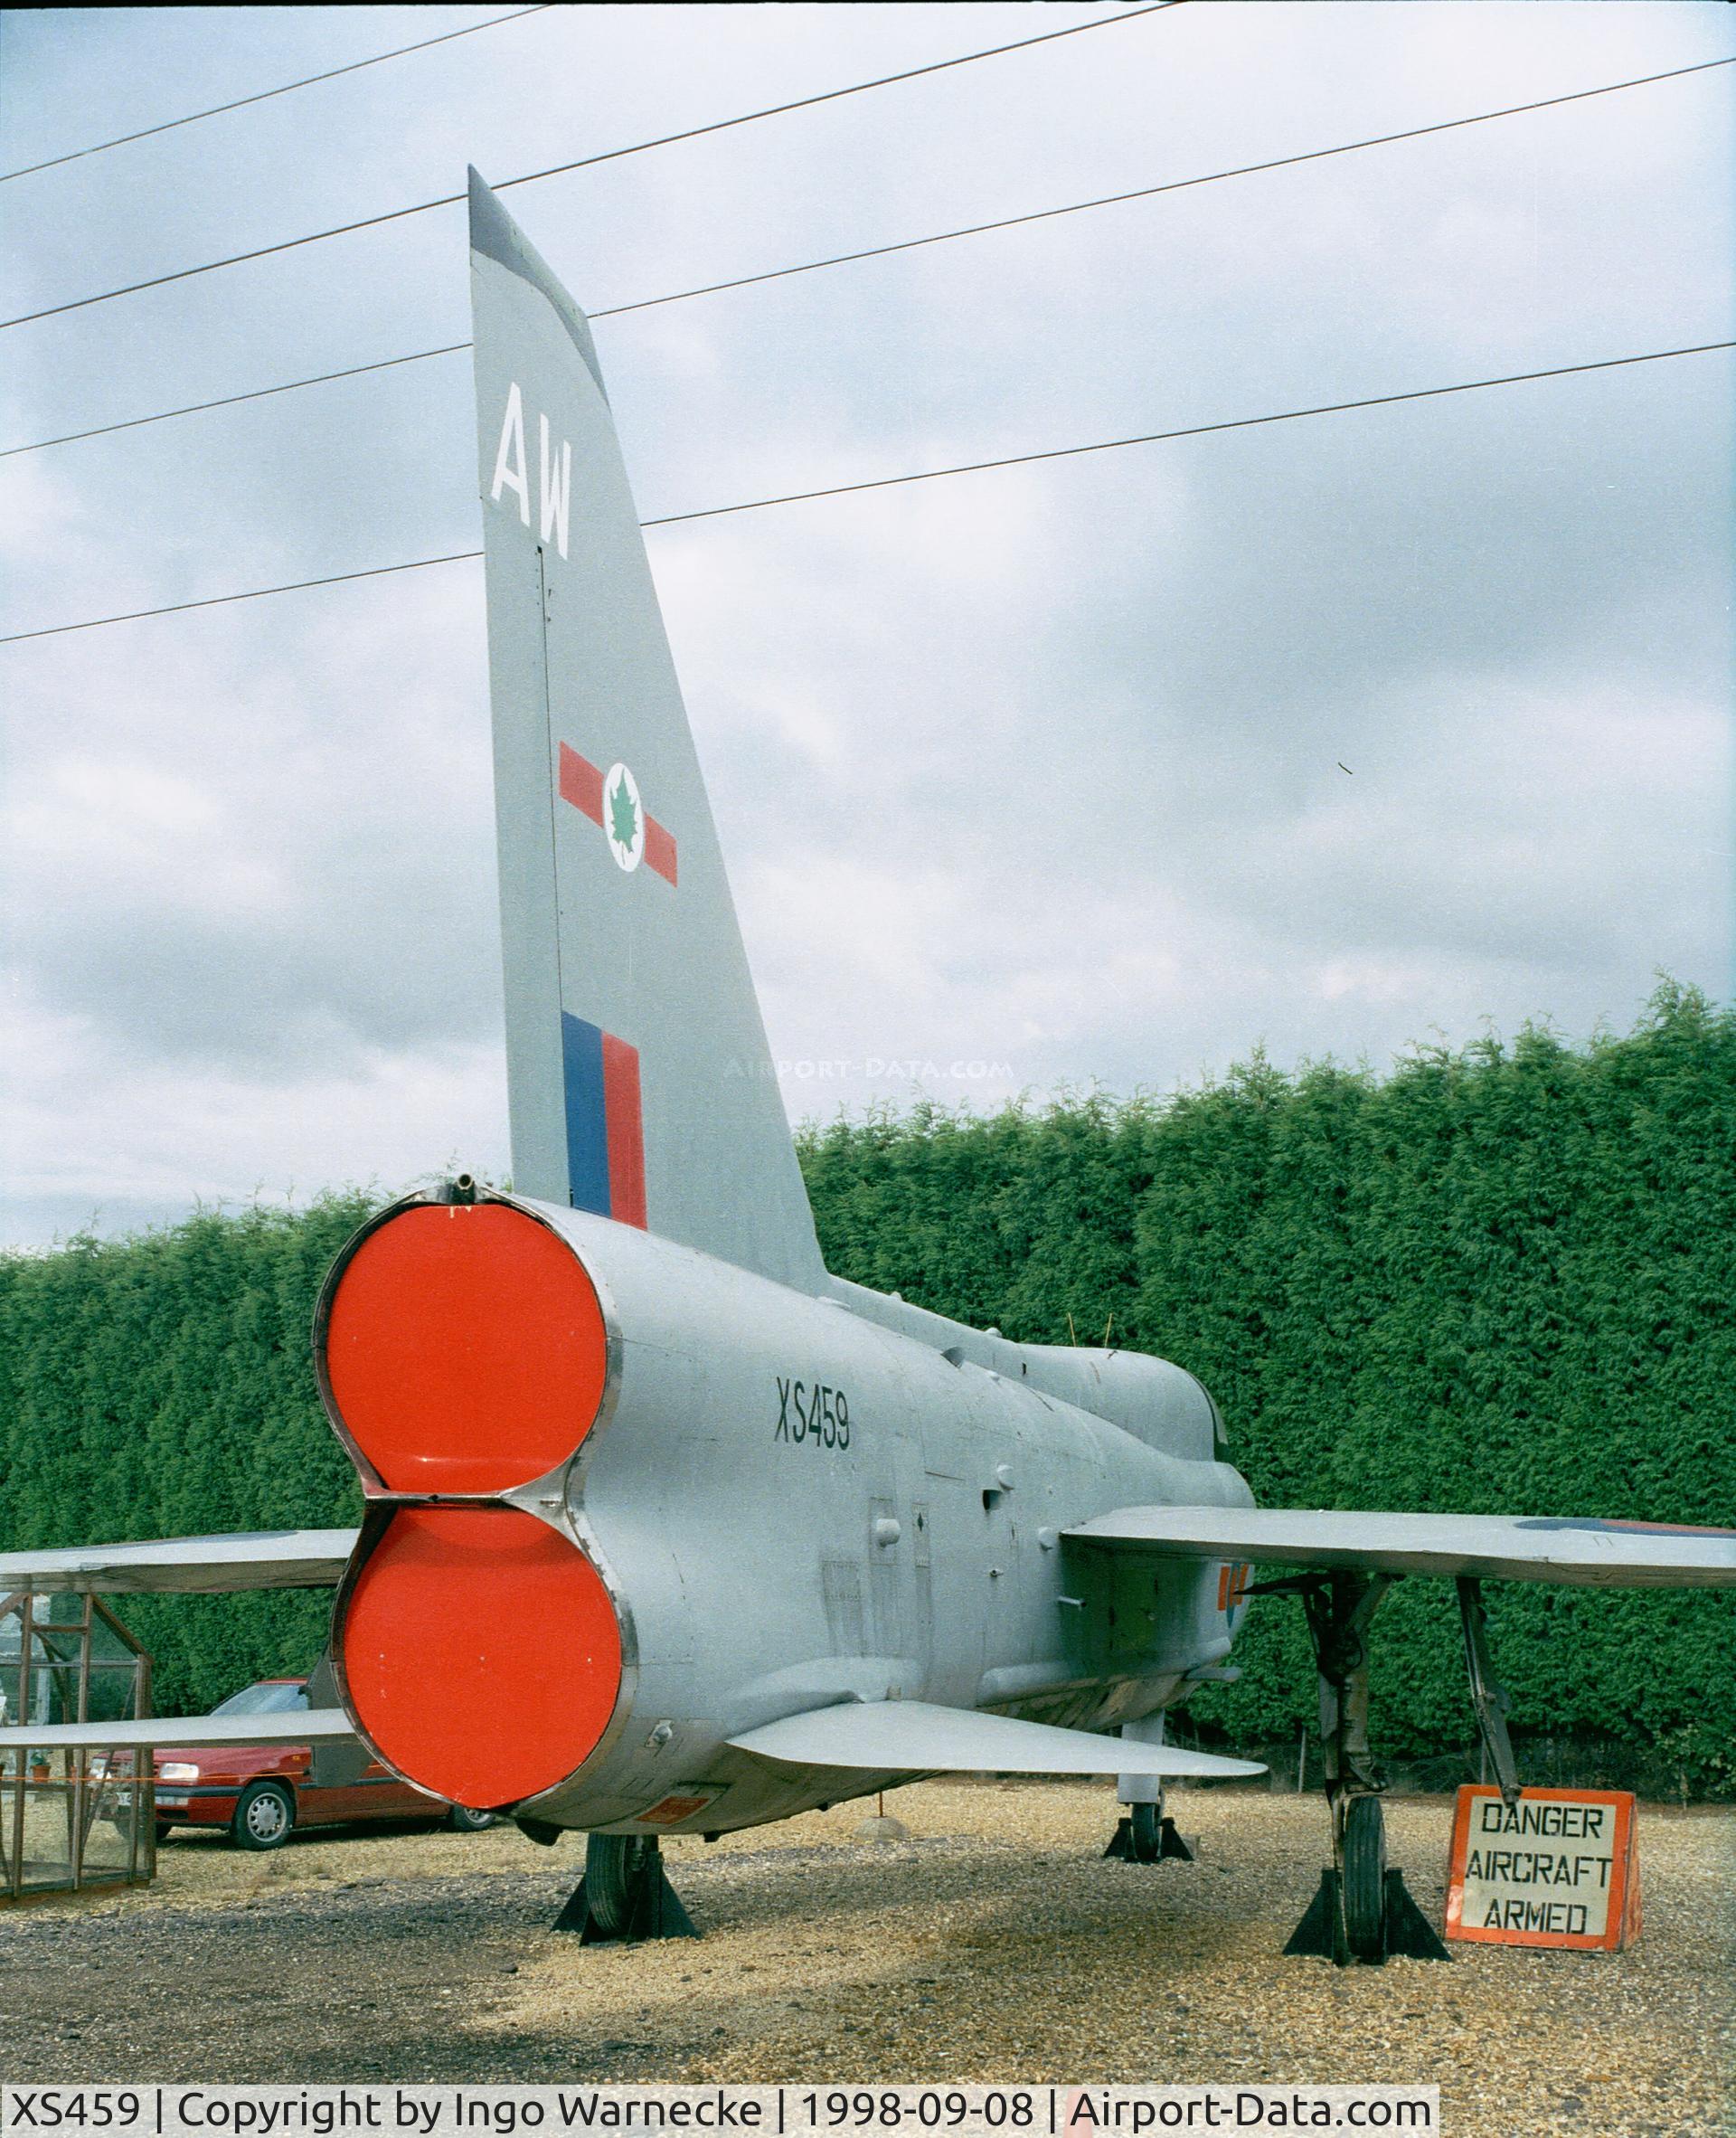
(1330,736)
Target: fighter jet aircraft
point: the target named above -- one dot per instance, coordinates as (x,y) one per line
(668,1530)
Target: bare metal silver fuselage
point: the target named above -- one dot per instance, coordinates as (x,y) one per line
(798,1500)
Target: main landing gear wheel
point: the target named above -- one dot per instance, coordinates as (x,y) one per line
(617,1868)
(265,1817)
(1362,1912)
(624,1894)
(1364,1875)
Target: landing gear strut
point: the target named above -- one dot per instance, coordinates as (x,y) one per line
(1487,1698)
(625,1895)
(1362,1911)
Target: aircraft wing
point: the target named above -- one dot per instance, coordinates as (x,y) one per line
(1581,1553)
(191,1565)
(911,1737)
(301,1728)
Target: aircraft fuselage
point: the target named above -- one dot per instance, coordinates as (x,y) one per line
(790,1503)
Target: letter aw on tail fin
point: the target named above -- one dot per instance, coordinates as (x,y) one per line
(639,1078)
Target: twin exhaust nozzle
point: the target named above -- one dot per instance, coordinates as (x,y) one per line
(463,1355)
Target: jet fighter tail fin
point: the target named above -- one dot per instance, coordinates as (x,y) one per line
(640,1082)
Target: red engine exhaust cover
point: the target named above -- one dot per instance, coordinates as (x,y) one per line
(481,1654)
(463,1351)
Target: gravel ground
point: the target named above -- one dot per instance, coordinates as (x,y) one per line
(994,1945)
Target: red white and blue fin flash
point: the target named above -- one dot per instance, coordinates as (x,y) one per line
(605,1121)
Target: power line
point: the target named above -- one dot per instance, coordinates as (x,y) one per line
(926,475)
(1144,192)
(717,126)
(1109,445)
(199,408)
(900,245)
(256,593)
(264,96)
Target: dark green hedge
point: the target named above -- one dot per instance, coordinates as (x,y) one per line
(164,1386)
(1496,1280)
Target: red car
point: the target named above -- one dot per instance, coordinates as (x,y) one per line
(262,1792)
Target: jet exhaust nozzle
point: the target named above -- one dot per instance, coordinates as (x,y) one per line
(463,1356)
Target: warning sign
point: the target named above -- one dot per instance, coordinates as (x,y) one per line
(1554,1868)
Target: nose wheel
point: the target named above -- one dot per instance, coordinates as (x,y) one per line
(1147,1836)
(625,1895)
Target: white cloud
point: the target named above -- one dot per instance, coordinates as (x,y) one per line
(1027,777)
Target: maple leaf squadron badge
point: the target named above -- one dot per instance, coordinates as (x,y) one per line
(623,817)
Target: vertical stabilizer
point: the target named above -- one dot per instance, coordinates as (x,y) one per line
(640,1082)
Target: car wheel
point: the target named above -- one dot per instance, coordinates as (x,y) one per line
(265,1817)
(461,1819)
